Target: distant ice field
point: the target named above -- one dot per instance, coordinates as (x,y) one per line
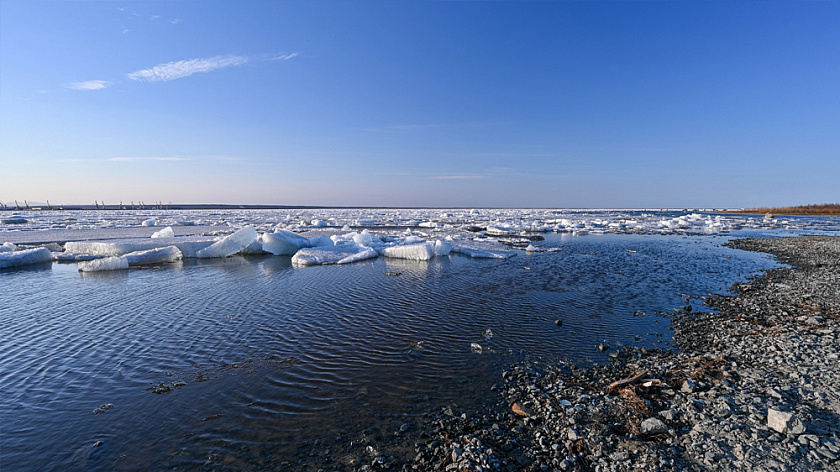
(251,335)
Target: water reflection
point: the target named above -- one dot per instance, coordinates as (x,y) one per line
(253,360)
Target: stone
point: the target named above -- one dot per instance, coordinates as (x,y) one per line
(689,386)
(784,422)
(653,426)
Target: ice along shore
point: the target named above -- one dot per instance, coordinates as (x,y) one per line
(754,386)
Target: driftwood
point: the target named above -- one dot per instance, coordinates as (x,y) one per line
(629,380)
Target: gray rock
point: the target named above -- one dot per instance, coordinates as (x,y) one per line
(784,422)
(688,386)
(669,415)
(653,426)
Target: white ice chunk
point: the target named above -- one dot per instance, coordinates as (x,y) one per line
(482,253)
(149,222)
(154,256)
(253,248)
(7,247)
(364,238)
(442,248)
(230,244)
(328,254)
(319,223)
(322,241)
(497,231)
(283,243)
(164,233)
(189,246)
(108,263)
(25,257)
(367,253)
(416,252)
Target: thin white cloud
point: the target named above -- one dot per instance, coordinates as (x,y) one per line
(180,69)
(171,158)
(457,177)
(89,85)
(283,57)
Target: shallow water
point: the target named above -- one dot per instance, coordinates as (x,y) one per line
(261,365)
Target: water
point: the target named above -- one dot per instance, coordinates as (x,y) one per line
(261,365)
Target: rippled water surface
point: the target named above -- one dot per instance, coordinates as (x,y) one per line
(249,363)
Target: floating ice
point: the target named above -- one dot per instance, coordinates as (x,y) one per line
(108,263)
(7,247)
(477,253)
(442,248)
(367,253)
(415,252)
(149,222)
(164,233)
(231,244)
(323,255)
(189,246)
(154,256)
(25,257)
(283,243)
(15,220)
(497,231)
(322,241)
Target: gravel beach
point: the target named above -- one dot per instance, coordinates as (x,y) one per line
(753,384)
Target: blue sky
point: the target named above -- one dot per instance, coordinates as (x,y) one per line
(455,104)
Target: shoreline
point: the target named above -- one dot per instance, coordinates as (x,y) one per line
(754,386)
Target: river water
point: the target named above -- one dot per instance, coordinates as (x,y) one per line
(249,363)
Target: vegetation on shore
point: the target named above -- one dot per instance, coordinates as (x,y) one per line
(824,209)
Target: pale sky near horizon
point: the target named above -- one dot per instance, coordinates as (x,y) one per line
(442,104)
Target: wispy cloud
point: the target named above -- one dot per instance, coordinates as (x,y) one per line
(171,158)
(457,177)
(185,68)
(283,57)
(89,85)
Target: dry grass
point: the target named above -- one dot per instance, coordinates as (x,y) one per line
(824,209)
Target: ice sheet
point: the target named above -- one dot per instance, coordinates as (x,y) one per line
(107,263)
(283,243)
(154,256)
(323,255)
(231,244)
(164,233)
(189,246)
(24,257)
(481,253)
(415,252)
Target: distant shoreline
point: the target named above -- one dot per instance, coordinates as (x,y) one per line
(226,206)
(827,209)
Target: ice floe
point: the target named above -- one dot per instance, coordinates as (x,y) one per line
(25,257)
(164,233)
(231,244)
(283,243)
(416,252)
(342,236)
(154,256)
(189,246)
(322,255)
(106,263)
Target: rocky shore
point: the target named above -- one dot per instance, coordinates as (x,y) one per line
(754,385)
